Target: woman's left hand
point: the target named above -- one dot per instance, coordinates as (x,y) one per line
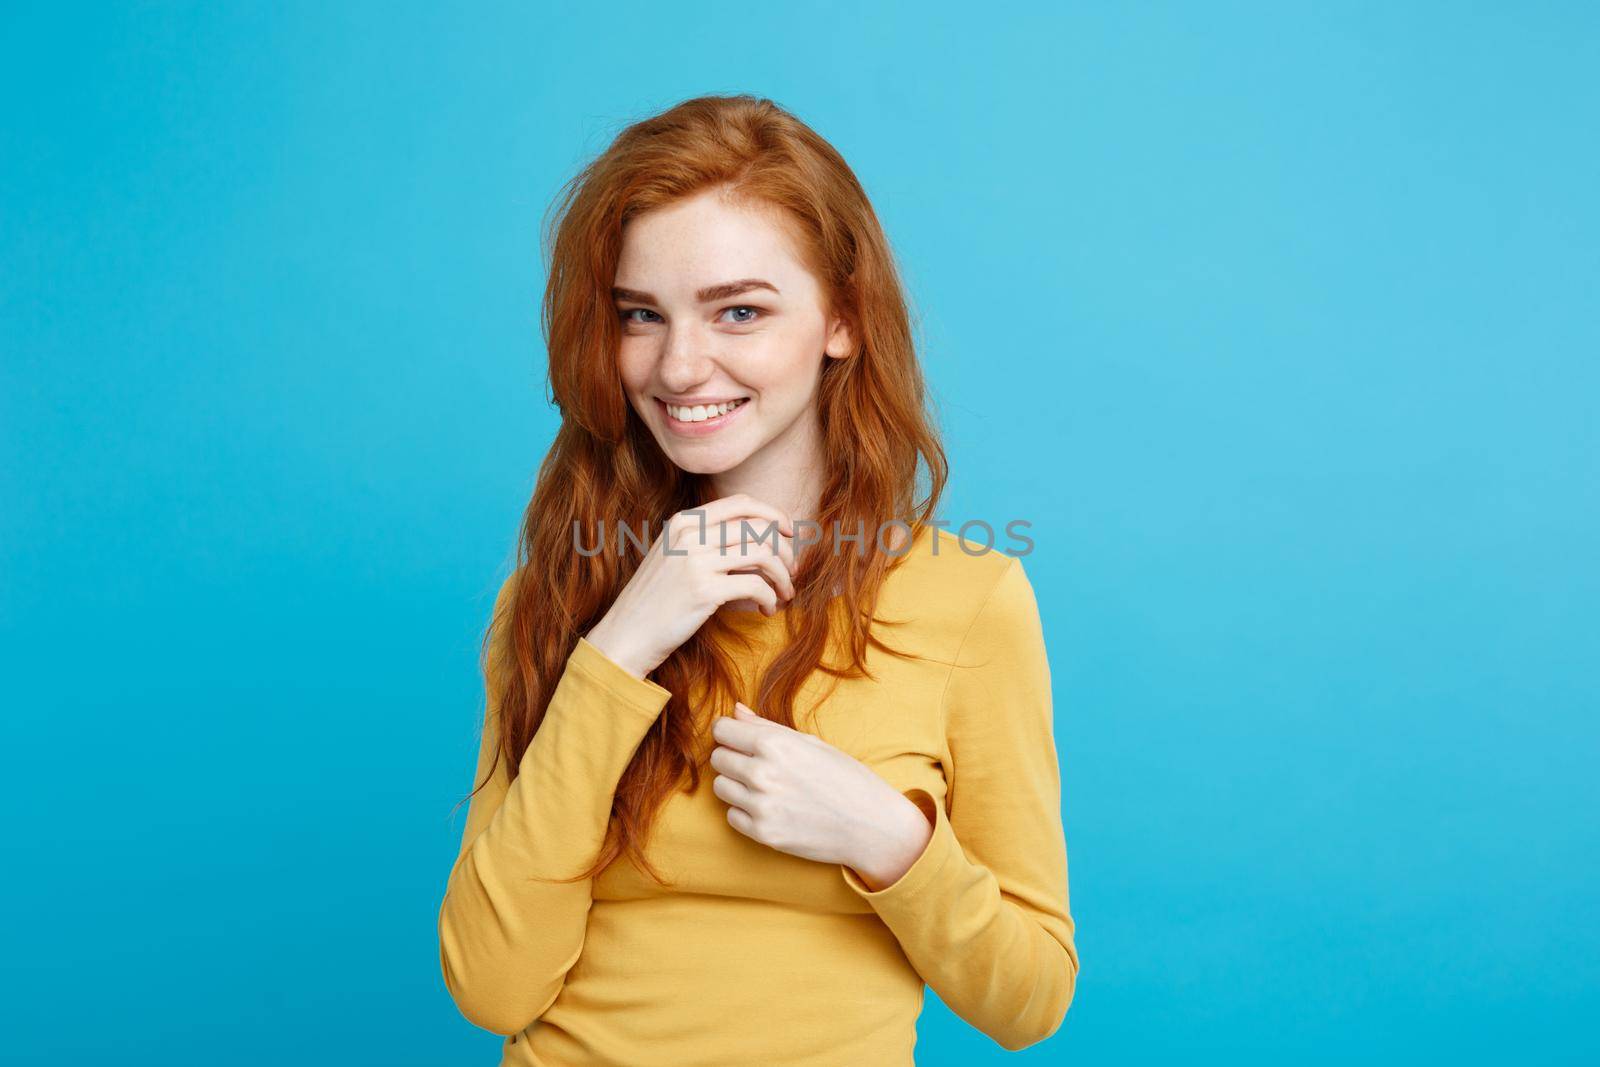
(794,792)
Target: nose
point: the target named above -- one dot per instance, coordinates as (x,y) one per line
(686,361)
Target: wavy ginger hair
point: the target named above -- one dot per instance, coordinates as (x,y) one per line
(604,463)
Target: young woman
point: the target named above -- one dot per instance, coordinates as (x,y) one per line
(740,796)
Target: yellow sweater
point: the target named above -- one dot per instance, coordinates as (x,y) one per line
(756,956)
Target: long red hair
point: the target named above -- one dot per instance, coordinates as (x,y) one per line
(604,463)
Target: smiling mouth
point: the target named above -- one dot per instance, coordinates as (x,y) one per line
(694,414)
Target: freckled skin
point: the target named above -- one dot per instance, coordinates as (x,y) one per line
(786,789)
(679,346)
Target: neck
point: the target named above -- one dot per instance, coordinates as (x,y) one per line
(787,473)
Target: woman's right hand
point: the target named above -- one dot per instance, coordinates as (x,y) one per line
(714,559)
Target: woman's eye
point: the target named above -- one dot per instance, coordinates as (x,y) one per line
(743,313)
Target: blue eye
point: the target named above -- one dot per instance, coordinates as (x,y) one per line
(626,314)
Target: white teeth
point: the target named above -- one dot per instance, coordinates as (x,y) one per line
(702,412)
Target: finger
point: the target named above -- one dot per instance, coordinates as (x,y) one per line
(759,540)
(757,529)
(743,822)
(740,586)
(745,538)
(744,713)
(748,714)
(747,535)
(735,764)
(738,735)
(731,507)
(754,559)
(699,528)
(770,567)
(733,791)
(752,549)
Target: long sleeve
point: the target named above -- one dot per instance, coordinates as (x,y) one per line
(983,913)
(507,940)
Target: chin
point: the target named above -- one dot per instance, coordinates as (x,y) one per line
(694,461)
(701,465)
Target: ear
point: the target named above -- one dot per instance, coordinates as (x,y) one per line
(840,343)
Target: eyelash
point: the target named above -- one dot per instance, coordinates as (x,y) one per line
(623,315)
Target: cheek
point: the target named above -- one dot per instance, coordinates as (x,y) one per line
(633,364)
(784,367)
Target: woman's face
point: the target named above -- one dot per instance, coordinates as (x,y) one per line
(717,309)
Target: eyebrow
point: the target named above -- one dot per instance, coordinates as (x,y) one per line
(705,296)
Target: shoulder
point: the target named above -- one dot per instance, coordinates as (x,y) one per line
(507,589)
(496,639)
(948,585)
(504,597)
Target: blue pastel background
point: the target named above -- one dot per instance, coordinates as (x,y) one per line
(1279,321)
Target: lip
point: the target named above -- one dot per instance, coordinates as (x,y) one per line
(698,429)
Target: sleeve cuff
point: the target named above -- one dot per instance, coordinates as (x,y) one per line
(931,867)
(640,693)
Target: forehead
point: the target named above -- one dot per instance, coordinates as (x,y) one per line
(704,240)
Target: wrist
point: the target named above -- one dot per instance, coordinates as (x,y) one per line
(906,837)
(616,651)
